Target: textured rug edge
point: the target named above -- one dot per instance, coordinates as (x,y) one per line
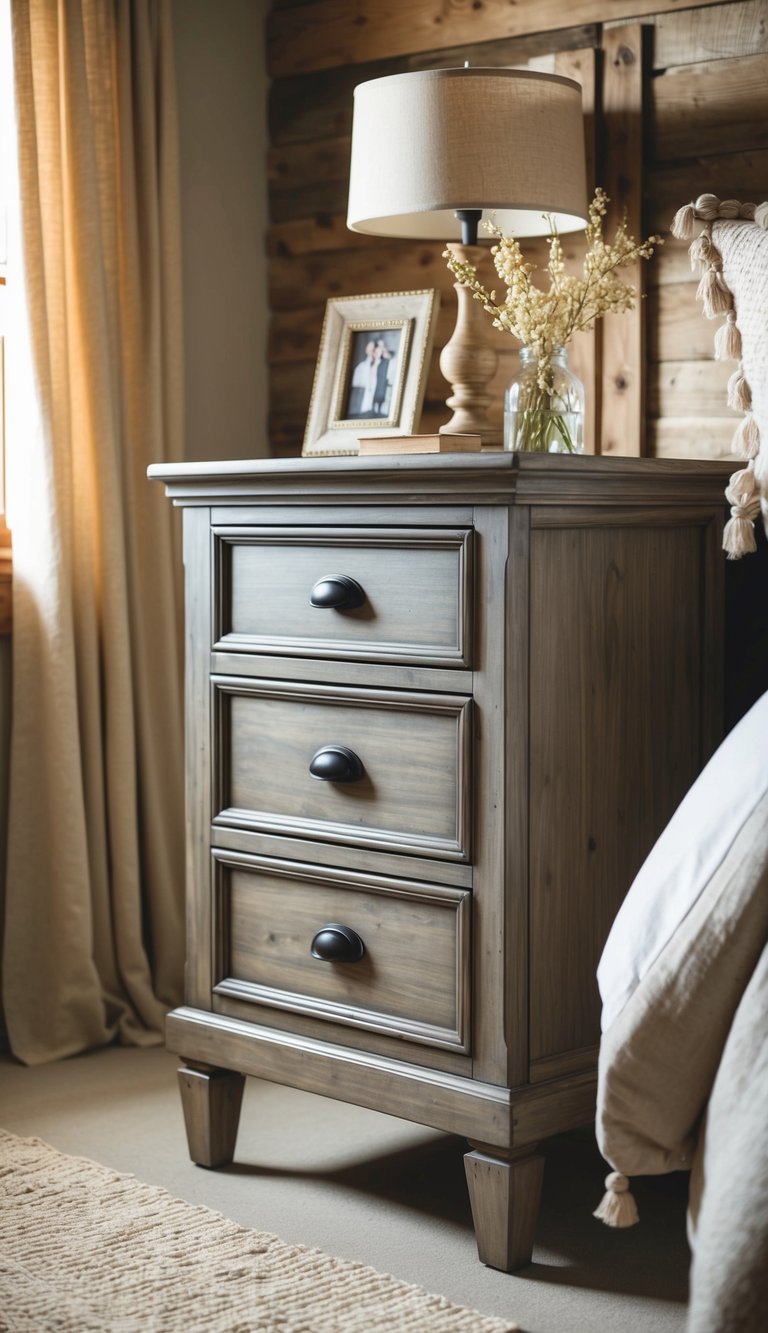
(245,1266)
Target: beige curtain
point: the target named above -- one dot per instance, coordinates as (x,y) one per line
(93,941)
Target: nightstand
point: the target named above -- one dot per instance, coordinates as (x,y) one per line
(438,710)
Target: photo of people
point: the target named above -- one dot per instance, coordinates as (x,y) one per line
(375,366)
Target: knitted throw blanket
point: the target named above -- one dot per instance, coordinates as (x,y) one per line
(732,253)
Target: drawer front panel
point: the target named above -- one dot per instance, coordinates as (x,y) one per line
(415,588)
(412,980)
(413,789)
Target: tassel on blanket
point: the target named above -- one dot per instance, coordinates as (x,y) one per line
(682,223)
(744,498)
(728,340)
(739,392)
(617,1208)
(701,250)
(713,293)
(746,438)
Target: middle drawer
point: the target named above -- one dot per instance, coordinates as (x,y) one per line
(380,769)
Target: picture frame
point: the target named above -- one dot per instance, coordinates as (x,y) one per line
(371,370)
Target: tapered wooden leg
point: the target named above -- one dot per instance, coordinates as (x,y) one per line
(211,1099)
(504,1191)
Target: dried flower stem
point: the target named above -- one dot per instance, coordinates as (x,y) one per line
(543,320)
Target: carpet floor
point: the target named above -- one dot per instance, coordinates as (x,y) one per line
(371,1189)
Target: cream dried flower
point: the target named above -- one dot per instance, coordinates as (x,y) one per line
(543,320)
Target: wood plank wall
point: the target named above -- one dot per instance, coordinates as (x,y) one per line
(676,100)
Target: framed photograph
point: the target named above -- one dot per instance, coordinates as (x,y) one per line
(371,369)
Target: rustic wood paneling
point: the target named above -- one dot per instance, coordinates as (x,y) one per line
(319,105)
(692,437)
(712,33)
(733,175)
(718,105)
(622,359)
(709,132)
(676,330)
(332,33)
(697,121)
(679,384)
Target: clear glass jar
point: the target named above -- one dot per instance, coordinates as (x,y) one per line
(545,421)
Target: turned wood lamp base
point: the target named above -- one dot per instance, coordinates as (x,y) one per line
(468,361)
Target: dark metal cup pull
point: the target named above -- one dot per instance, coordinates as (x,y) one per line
(337,944)
(337,592)
(335,763)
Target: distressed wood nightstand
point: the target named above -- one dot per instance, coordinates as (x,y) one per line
(438,710)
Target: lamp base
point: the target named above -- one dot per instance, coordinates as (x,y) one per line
(468,362)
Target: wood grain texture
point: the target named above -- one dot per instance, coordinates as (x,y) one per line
(680,388)
(330,33)
(504,1193)
(464,1106)
(585,349)
(693,437)
(677,330)
(319,105)
(416,584)
(211,1101)
(412,980)
(696,35)
(737,174)
(198,635)
(414,748)
(622,399)
(720,103)
(595,696)
(615,743)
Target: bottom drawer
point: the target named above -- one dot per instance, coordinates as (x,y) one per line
(412,979)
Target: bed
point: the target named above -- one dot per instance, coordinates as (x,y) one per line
(683,1068)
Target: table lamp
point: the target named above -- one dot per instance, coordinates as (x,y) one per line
(435,149)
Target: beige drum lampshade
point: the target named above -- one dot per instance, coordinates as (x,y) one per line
(509,142)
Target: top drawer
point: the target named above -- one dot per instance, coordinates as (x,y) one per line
(414,598)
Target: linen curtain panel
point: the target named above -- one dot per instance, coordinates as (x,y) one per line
(93,938)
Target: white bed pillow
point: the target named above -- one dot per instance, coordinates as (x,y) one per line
(689,851)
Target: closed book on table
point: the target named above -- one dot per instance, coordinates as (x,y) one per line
(419,444)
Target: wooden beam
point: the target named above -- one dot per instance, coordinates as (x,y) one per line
(585,352)
(623,347)
(330,33)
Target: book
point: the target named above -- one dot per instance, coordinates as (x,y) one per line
(419,444)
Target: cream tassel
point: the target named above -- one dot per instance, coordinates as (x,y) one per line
(744,498)
(729,208)
(761,215)
(739,392)
(682,223)
(713,293)
(701,250)
(617,1208)
(746,438)
(728,340)
(707,207)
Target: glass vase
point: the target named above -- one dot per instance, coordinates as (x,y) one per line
(544,421)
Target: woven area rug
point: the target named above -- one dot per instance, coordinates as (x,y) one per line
(86,1250)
